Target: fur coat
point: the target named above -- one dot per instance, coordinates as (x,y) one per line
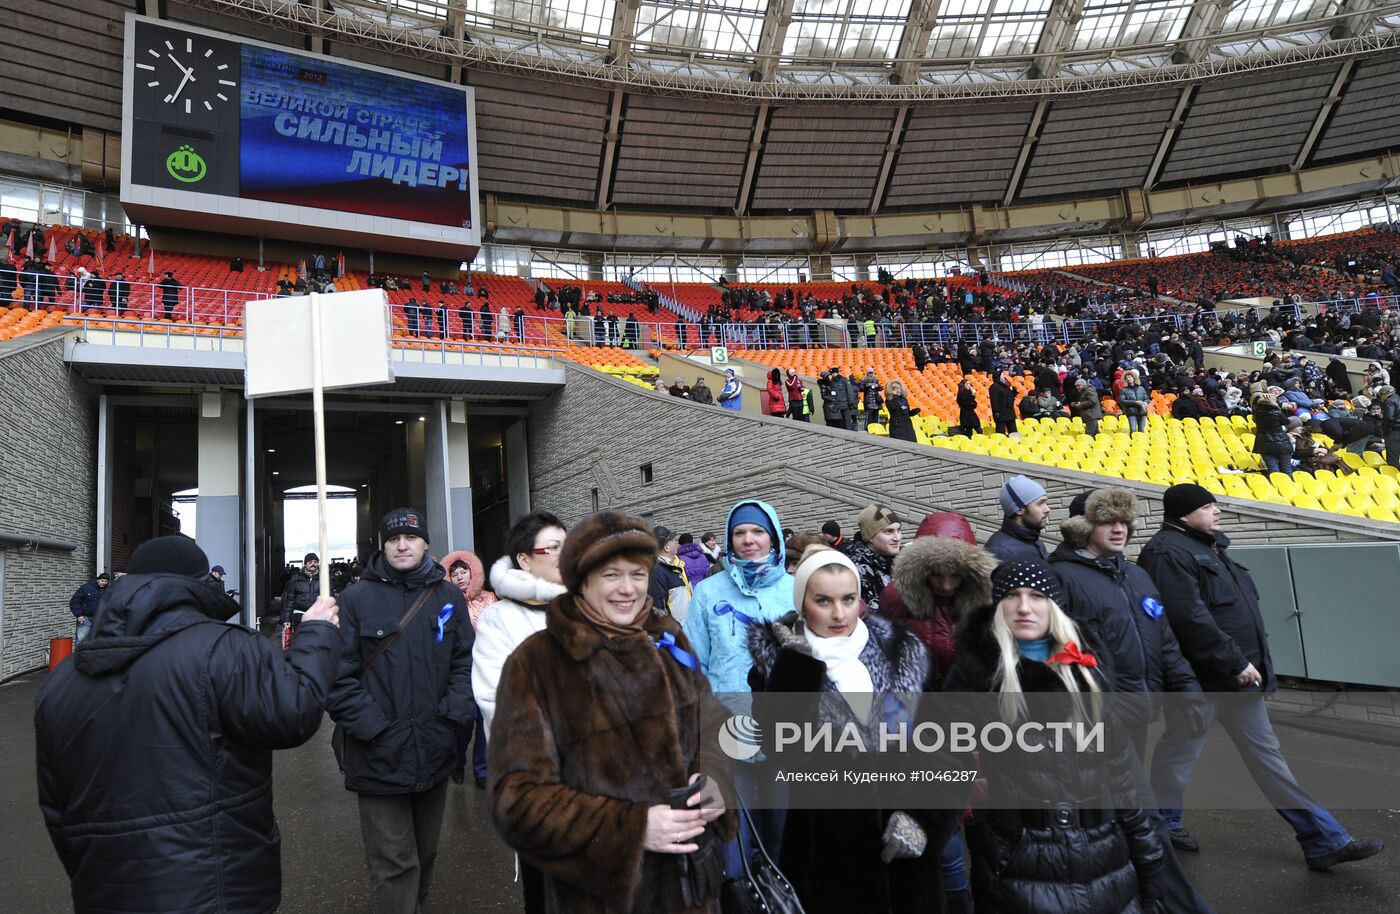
(591,732)
(832,856)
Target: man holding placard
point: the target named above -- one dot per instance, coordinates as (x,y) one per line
(402,692)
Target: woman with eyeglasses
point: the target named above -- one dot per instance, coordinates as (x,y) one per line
(525,579)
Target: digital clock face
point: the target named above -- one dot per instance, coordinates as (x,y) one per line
(185,78)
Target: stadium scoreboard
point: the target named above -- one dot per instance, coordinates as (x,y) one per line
(224,134)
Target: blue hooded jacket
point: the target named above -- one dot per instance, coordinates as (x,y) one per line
(719,637)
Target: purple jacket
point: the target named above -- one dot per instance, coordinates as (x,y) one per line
(697,563)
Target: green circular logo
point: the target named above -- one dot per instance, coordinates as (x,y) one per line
(186,165)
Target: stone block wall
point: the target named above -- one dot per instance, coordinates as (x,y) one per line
(48,482)
(598,433)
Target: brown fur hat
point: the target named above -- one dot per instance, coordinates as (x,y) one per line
(601,537)
(930,555)
(1102,507)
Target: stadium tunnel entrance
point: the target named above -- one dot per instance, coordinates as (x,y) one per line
(237,468)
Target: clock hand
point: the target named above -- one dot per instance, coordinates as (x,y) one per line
(180,88)
(187,71)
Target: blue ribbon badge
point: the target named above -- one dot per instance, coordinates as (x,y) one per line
(1152,607)
(443,615)
(667,642)
(722,609)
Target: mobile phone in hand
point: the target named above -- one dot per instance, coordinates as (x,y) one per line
(680,796)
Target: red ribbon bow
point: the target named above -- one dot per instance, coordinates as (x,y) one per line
(1072,654)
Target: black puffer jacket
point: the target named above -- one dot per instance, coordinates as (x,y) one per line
(1213,606)
(155,750)
(1031,861)
(1270,434)
(1003,400)
(301,592)
(1118,601)
(400,720)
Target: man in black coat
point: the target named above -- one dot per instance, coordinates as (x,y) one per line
(154,743)
(169,294)
(301,591)
(1213,607)
(83,604)
(1120,606)
(402,694)
(1026,511)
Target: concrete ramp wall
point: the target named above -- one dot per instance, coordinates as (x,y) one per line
(588,445)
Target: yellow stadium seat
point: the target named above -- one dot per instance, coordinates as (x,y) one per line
(1373,459)
(1302,500)
(876,428)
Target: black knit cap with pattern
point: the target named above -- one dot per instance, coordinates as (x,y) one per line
(403,521)
(1029,573)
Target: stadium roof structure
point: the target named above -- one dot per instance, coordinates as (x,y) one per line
(894,50)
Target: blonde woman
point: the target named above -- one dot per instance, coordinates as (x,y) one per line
(897,402)
(1078,854)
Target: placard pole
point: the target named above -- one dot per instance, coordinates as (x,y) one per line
(318,409)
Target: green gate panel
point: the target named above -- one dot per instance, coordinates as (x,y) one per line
(1350,612)
(1269,566)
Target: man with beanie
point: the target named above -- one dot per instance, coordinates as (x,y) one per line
(83,604)
(402,693)
(301,591)
(1213,606)
(1026,510)
(831,535)
(874,552)
(154,744)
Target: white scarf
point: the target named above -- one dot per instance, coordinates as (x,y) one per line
(844,667)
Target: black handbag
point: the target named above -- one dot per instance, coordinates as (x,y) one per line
(763,889)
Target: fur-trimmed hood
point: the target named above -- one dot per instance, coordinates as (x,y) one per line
(511,583)
(473,563)
(897,661)
(1102,507)
(930,555)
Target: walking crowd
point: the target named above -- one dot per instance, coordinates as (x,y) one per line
(592,668)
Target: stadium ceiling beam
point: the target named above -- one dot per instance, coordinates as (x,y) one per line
(624,28)
(1201,30)
(605,172)
(913,44)
(776,20)
(1334,96)
(1362,16)
(1183,102)
(1056,36)
(760,124)
(901,118)
(1027,147)
(457,25)
(534,56)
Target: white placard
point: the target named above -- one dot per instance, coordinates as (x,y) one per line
(354,342)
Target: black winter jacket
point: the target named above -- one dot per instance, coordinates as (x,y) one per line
(1118,602)
(1270,435)
(1029,861)
(400,719)
(155,750)
(1213,606)
(901,424)
(1003,400)
(84,600)
(1014,542)
(301,592)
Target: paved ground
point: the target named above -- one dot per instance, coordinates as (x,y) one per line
(1249,863)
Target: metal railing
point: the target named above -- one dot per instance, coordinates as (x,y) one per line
(147,308)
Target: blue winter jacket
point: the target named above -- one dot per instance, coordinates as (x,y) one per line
(719,638)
